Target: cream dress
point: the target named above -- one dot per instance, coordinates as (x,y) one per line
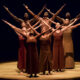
(68,48)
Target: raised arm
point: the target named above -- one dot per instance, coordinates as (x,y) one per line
(57,17)
(75,20)
(35,16)
(57,12)
(34,25)
(53,30)
(15,28)
(41,10)
(33,19)
(42,33)
(19,35)
(13,16)
(69,26)
(52,21)
(50,34)
(41,19)
(77,17)
(33,29)
(38,26)
(75,26)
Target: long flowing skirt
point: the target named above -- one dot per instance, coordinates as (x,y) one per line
(22,56)
(32,66)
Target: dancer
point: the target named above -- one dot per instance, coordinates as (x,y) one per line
(58,51)
(21,52)
(45,51)
(32,65)
(67,40)
(46,60)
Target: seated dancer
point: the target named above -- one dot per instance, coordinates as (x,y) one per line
(67,40)
(32,64)
(58,51)
(45,51)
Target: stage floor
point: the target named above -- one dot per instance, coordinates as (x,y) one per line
(8,70)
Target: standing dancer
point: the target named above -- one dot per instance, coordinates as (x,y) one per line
(24,25)
(45,44)
(22,50)
(32,65)
(67,40)
(58,51)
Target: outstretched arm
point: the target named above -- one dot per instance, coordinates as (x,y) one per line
(38,26)
(53,30)
(57,12)
(77,17)
(41,10)
(13,16)
(34,25)
(57,17)
(52,21)
(33,19)
(35,16)
(19,35)
(42,33)
(69,26)
(75,26)
(14,28)
(33,29)
(41,19)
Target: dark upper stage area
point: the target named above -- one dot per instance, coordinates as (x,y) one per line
(9,40)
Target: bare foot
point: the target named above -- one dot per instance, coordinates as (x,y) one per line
(21,73)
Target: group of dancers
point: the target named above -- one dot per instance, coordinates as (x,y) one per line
(47,49)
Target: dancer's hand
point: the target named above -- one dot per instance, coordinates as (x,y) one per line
(25,6)
(5,8)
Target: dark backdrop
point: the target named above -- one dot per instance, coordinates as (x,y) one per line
(9,40)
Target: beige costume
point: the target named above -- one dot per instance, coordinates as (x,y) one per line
(68,49)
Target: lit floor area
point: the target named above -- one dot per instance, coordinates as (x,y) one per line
(8,70)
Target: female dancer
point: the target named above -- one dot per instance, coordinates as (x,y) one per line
(22,51)
(32,64)
(58,52)
(67,40)
(45,41)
